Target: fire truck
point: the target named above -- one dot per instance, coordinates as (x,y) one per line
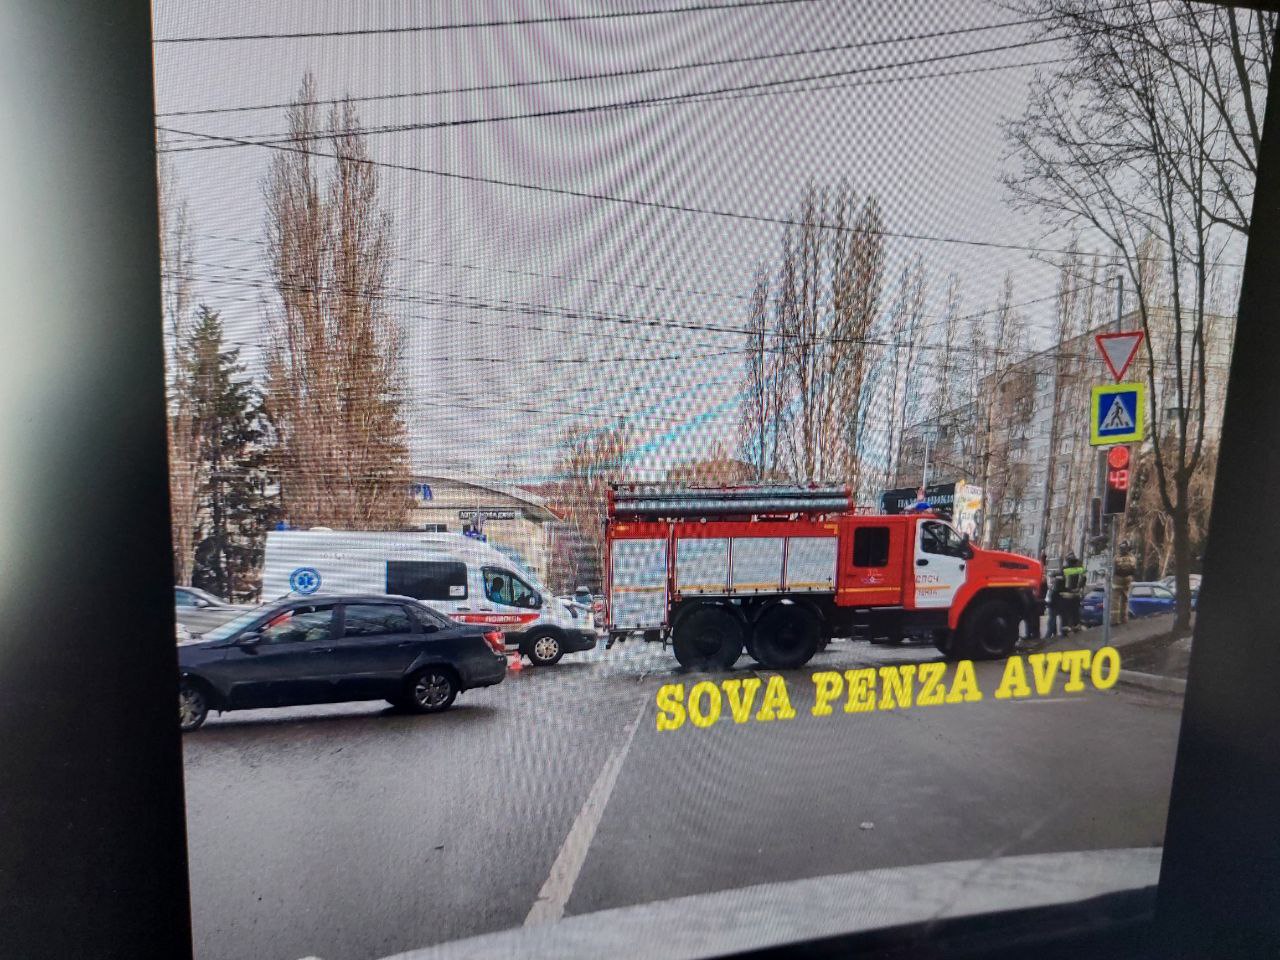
(781,570)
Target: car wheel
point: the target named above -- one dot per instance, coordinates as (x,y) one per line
(193,707)
(431,690)
(542,649)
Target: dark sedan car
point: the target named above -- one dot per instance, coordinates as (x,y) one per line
(333,649)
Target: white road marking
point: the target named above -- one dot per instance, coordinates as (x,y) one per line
(549,907)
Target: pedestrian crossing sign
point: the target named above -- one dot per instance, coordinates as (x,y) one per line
(1118,412)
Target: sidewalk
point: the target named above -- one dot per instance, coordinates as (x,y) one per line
(1149,659)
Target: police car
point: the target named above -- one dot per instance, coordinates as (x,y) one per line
(461,577)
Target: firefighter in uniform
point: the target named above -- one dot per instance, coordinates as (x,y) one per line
(1122,574)
(1073,575)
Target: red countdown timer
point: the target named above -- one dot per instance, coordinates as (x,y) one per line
(1117,480)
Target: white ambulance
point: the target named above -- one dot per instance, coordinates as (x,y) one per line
(461,577)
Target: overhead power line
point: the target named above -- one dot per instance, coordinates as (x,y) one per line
(292,138)
(488,24)
(613,74)
(523,309)
(630,201)
(459,265)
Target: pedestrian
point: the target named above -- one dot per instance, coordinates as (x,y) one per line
(1122,573)
(1073,575)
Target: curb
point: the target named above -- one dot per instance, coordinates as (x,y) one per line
(1151,681)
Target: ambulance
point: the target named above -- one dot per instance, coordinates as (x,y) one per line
(461,577)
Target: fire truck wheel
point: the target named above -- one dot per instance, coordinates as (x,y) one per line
(708,638)
(990,631)
(945,642)
(787,636)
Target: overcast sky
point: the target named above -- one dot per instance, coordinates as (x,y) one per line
(494,384)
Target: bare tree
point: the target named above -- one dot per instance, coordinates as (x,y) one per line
(1126,139)
(185,467)
(590,460)
(906,331)
(943,392)
(1003,406)
(762,412)
(828,295)
(333,382)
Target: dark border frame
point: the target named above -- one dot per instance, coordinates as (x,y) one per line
(92,835)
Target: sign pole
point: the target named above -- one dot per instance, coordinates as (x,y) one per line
(1108,569)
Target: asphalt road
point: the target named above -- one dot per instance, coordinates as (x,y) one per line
(349,832)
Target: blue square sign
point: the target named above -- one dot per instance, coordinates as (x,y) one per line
(1117,413)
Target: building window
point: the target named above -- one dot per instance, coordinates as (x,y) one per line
(433,528)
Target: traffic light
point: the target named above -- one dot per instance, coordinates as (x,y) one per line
(1118,475)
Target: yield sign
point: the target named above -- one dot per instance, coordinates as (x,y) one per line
(1118,350)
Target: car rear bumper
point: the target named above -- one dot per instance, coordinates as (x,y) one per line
(486,672)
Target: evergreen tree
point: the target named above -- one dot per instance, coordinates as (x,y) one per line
(233,490)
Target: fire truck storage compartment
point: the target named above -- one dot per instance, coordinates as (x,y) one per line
(639,575)
(757,564)
(811,564)
(702,565)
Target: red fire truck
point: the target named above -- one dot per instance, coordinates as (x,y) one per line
(780,570)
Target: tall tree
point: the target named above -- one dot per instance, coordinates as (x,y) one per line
(590,460)
(1003,406)
(1129,139)
(235,508)
(334,393)
(184,462)
(906,327)
(762,413)
(827,299)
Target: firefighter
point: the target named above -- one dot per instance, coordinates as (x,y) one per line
(1057,614)
(1073,575)
(1122,573)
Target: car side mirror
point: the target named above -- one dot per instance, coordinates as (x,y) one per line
(250,639)
(202,604)
(966,549)
(535,600)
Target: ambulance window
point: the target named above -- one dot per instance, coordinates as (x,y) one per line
(871,547)
(427,579)
(502,586)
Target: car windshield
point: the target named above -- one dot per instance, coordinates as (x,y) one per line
(233,626)
(653,307)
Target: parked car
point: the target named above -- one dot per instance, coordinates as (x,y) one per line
(334,649)
(199,610)
(1171,583)
(1145,600)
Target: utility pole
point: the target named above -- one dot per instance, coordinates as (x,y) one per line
(1109,563)
(924,477)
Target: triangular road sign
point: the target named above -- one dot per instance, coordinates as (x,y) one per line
(1118,350)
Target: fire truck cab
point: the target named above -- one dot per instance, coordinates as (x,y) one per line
(779,571)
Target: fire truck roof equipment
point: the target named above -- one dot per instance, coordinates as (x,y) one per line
(652,502)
